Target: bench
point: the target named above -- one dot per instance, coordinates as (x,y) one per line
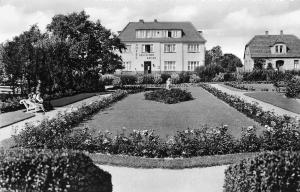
(31,105)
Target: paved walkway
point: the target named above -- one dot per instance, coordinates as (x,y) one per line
(265,106)
(8,131)
(209,179)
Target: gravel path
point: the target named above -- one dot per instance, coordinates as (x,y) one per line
(209,179)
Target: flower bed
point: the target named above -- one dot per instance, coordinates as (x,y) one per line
(169,96)
(281,133)
(266,172)
(32,170)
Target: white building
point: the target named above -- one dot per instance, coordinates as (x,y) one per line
(162,47)
(281,52)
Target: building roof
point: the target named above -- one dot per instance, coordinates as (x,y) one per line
(260,46)
(190,34)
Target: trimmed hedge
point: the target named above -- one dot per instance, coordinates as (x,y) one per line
(169,96)
(29,170)
(271,171)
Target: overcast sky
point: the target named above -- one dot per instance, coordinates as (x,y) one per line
(228,23)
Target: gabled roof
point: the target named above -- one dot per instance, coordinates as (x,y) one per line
(190,34)
(260,46)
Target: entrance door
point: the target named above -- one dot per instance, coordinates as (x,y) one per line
(147,67)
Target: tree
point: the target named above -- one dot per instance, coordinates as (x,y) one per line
(230,62)
(259,63)
(93,46)
(216,54)
(208,58)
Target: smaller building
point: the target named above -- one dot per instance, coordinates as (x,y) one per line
(281,52)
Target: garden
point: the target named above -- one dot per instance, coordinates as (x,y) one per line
(141,124)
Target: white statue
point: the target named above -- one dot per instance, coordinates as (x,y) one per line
(168,84)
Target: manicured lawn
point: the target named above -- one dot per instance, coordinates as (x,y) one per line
(71,99)
(134,112)
(277,99)
(13,117)
(259,87)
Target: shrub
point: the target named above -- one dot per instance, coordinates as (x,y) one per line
(107,79)
(117,82)
(293,87)
(169,96)
(148,79)
(165,77)
(194,79)
(184,77)
(219,77)
(128,79)
(51,171)
(271,171)
(157,78)
(139,79)
(175,78)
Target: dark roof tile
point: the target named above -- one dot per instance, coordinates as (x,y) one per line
(190,34)
(260,46)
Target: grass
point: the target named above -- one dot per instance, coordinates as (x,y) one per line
(168,163)
(134,112)
(71,99)
(277,99)
(9,118)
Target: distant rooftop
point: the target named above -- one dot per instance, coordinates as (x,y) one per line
(190,34)
(260,45)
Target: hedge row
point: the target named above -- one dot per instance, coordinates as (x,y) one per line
(33,170)
(272,171)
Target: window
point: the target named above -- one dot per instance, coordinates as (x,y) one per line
(279,49)
(147,48)
(170,65)
(169,33)
(169,48)
(128,49)
(127,66)
(296,64)
(192,65)
(193,48)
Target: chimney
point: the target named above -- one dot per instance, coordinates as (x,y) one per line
(141,20)
(281,32)
(200,32)
(155,20)
(266,32)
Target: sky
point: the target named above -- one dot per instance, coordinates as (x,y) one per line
(228,23)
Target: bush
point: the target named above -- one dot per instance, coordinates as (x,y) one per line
(293,87)
(165,77)
(148,79)
(107,79)
(194,79)
(169,96)
(117,82)
(207,73)
(51,171)
(271,171)
(184,77)
(128,79)
(175,78)
(157,78)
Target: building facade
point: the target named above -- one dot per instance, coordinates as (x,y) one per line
(280,52)
(153,47)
